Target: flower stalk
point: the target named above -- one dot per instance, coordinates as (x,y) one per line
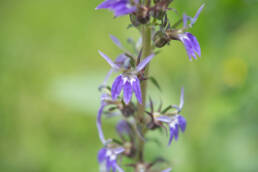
(146,50)
(151,19)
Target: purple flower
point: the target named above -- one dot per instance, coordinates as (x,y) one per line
(191,44)
(176,121)
(130,84)
(190,41)
(128,80)
(119,7)
(109,156)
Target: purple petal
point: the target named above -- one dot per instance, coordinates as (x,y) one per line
(144,62)
(123,127)
(124,11)
(102,155)
(109,164)
(108,76)
(119,150)
(117,87)
(176,131)
(120,59)
(167,170)
(104,4)
(171,135)
(123,61)
(185,20)
(195,43)
(128,91)
(99,125)
(113,165)
(110,62)
(188,45)
(137,90)
(182,123)
(194,19)
(119,168)
(181,99)
(119,7)
(190,48)
(116,41)
(163,118)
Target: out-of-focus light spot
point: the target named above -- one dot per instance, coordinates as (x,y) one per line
(234,72)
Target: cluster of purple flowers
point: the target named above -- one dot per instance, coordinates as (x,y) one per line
(131,75)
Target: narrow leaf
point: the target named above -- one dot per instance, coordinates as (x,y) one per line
(155,82)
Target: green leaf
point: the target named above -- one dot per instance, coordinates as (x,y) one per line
(155,82)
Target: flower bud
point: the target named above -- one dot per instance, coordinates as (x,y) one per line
(158,14)
(128,110)
(142,15)
(129,149)
(160,39)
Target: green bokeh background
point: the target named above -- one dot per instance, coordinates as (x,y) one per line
(50,71)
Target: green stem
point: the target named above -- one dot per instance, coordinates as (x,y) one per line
(146,51)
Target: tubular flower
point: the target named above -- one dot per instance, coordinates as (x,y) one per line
(109,156)
(128,80)
(176,121)
(119,7)
(190,42)
(174,124)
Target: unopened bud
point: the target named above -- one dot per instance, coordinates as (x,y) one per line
(128,110)
(158,14)
(143,15)
(160,39)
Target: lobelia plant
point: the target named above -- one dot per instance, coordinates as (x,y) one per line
(138,118)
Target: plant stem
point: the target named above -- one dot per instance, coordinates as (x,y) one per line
(146,51)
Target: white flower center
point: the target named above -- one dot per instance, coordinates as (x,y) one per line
(131,79)
(111,155)
(128,6)
(173,122)
(108,153)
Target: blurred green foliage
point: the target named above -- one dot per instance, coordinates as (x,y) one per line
(50,71)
